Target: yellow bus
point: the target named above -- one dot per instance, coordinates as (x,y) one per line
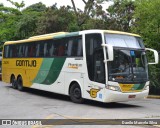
(101,65)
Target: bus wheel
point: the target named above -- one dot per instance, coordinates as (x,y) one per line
(75,93)
(13,82)
(20,84)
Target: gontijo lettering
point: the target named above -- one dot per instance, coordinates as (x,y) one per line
(26,63)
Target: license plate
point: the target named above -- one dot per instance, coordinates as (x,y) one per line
(132,96)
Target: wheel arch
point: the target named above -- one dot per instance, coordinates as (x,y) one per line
(19,76)
(12,75)
(71,83)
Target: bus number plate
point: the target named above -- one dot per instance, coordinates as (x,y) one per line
(132,96)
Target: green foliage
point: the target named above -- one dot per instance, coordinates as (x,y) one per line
(54,20)
(16,4)
(121,14)
(27,24)
(25,27)
(38,7)
(147,24)
(8,19)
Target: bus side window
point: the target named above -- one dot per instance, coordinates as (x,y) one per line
(51,50)
(37,49)
(31,50)
(45,50)
(41,48)
(69,49)
(61,47)
(75,46)
(10,51)
(55,51)
(26,51)
(6,51)
(61,50)
(14,51)
(21,50)
(80,48)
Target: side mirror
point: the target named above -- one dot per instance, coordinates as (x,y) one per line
(109,50)
(156,56)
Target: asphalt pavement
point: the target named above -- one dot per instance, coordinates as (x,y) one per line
(36,104)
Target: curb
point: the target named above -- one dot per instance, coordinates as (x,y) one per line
(153,96)
(157,126)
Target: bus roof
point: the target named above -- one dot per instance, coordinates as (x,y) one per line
(120,32)
(37,38)
(111,32)
(48,35)
(67,34)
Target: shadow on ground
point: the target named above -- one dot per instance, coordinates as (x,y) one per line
(52,95)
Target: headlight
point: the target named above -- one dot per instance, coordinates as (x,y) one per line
(114,88)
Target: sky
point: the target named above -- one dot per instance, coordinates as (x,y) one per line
(78,3)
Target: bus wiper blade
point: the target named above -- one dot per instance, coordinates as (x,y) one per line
(131,76)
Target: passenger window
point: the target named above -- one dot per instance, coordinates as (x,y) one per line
(31,50)
(6,51)
(21,50)
(80,51)
(26,51)
(51,50)
(45,50)
(14,51)
(60,46)
(74,46)
(61,50)
(69,50)
(37,49)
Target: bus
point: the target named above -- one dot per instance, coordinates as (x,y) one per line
(100,65)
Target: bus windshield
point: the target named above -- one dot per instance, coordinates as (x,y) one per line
(124,41)
(130,62)
(128,66)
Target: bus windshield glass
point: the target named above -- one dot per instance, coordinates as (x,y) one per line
(130,62)
(124,41)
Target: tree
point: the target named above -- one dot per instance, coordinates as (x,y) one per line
(8,19)
(120,15)
(92,9)
(54,20)
(38,7)
(16,4)
(147,24)
(27,24)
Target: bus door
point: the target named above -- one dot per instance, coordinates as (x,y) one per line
(95,76)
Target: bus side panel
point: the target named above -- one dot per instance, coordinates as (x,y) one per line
(24,67)
(57,86)
(74,72)
(6,71)
(50,76)
(93,90)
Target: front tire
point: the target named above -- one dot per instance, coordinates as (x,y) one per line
(75,93)
(13,82)
(20,84)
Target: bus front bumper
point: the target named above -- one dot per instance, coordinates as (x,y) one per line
(115,96)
